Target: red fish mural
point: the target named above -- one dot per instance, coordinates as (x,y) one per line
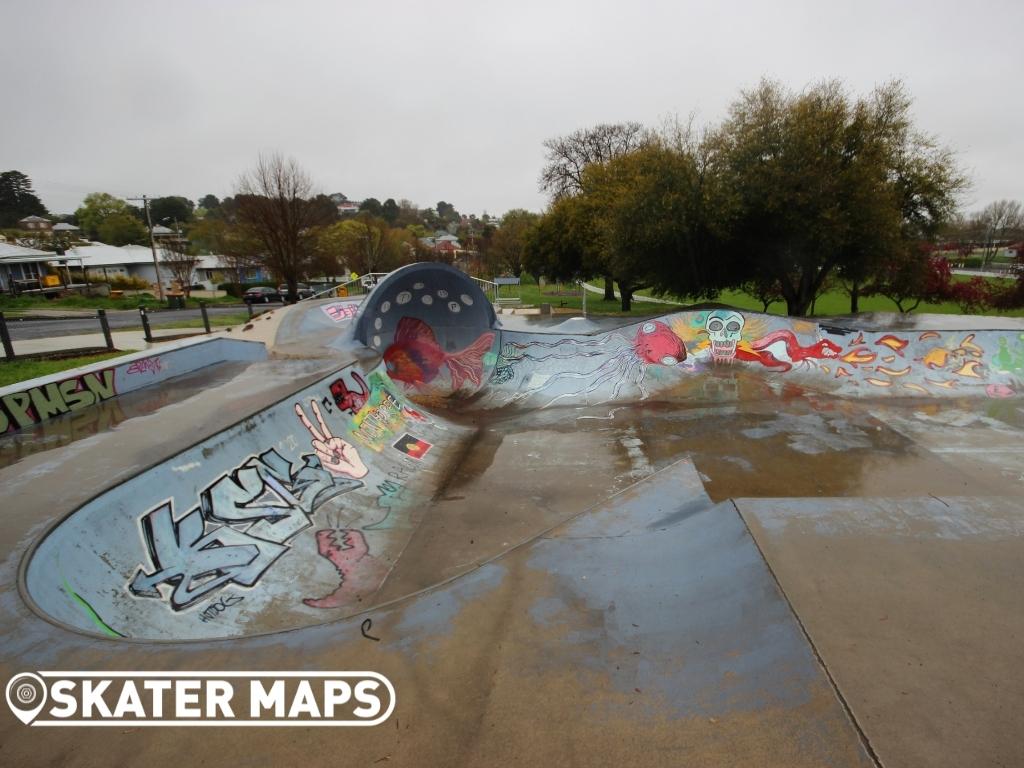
(656,343)
(415,358)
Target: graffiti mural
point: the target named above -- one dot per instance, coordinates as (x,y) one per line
(380,418)
(350,400)
(415,358)
(31,406)
(343,549)
(243,522)
(656,356)
(723,328)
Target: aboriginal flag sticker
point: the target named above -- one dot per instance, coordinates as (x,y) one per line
(412,446)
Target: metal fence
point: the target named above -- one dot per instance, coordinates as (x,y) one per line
(54,328)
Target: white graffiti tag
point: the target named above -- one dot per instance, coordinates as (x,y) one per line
(240,528)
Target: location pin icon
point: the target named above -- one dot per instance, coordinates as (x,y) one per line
(26,695)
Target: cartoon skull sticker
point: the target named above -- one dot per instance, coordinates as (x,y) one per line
(723,327)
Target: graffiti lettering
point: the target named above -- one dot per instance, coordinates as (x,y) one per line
(340,311)
(379,419)
(146,365)
(32,406)
(240,528)
(218,607)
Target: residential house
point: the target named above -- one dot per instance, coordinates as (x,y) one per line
(213,270)
(103,262)
(35,223)
(24,268)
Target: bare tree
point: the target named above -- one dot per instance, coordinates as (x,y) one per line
(997,225)
(275,202)
(568,156)
(175,256)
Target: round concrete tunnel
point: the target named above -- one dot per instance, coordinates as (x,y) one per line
(434,326)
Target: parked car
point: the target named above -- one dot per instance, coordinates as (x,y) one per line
(261,294)
(303,290)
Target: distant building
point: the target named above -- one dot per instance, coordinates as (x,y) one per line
(68,229)
(35,223)
(22,268)
(347,208)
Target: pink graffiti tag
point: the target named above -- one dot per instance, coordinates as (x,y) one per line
(343,549)
(341,311)
(146,365)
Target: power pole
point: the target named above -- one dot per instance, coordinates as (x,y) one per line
(152,244)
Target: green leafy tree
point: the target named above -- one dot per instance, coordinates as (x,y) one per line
(171,210)
(446,212)
(209,202)
(364,243)
(390,211)
(825,184)
(18,199)
(372,206)
(122,229)
(508,246)
(97,207)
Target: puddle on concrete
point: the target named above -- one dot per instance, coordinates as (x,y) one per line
(527,471)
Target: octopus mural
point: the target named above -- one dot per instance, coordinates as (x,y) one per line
(652,357)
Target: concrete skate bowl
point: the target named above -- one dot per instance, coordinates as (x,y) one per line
(351,494)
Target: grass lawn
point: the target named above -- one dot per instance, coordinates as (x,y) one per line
(535,296)
(838,303)
(13,371)
(216,321)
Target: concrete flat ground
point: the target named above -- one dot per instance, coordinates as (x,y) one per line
(742,577)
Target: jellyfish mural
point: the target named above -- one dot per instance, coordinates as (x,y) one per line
(622,362)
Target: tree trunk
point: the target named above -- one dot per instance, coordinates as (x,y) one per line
(609,288)
(797,306)
(855,299)
(627,297)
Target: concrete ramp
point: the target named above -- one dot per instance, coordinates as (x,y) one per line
(292,517)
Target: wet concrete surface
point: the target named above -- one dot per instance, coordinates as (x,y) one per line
(915,607)
(893,528)
(599,643)
(70,428)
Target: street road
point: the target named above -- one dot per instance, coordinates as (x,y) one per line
(120,320)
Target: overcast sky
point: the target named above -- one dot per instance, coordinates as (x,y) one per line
(451,100)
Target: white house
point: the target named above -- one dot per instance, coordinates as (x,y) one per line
(102,262)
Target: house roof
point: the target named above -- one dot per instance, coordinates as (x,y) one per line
(62,227)
(33,218)
(102,255)
(9,250)
(159,229)
(18,254)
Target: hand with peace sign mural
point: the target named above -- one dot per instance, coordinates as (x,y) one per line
(337,456)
